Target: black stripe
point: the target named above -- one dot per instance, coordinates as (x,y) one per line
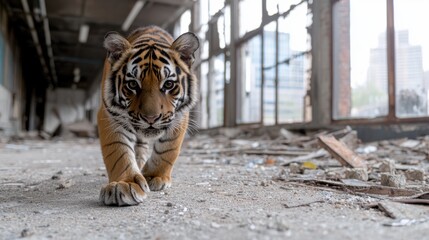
(154,57)
(142,144)
(147,54)
(137,53)
(163,60)
(137,60)
(165,54)
(127,137)
(132,193)
(110,154)
(117,160)
(124,69)
(168,139)
(113,84)
(119,142)
(164,160)
(166,151)
(125,169)
(116,194)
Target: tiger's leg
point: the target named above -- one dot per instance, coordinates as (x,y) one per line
(127,186)
(142,152)
(165,152)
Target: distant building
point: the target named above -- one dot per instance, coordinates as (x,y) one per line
(291,81)
(411,90)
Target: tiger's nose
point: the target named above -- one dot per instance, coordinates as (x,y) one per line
(151,119)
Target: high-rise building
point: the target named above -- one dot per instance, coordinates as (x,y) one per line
(411,92)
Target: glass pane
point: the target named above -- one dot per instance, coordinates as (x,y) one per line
(204,70)
(250,15)
(204,11)
(217,85)
(293,74)
(411,65)
(249,102)
(269,73)
(359,59)
(183,24)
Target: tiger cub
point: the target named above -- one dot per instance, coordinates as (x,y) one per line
(147,91)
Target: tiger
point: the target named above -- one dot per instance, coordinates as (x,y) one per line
(147,91)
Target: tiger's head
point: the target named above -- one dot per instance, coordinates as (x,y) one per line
(150,84)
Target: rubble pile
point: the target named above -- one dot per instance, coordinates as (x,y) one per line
(394,170)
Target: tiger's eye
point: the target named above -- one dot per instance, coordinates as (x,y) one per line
(168,84)
(132,85)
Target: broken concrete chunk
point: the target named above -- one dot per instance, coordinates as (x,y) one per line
(66,184)
(295,168)
(387,166)
(410,143)
(415,175)
(357,173)
(392,180)
(341,152)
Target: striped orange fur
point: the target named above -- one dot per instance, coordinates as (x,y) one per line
(147,91)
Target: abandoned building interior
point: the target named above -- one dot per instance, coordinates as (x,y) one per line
(312,120)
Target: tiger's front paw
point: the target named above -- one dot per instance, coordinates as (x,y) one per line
(159,183)
(125,193)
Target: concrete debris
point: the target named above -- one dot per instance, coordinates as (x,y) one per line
(295,168)
(415,175)
(387,166)
(27,232)
(357,173)
(82,128)
(410,144)
(392,180)
(275,185)
(66,184)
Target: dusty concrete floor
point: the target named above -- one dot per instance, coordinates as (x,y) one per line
(209,199)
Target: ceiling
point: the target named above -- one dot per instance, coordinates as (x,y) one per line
(64,20)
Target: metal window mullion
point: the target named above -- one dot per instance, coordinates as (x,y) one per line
(390,43)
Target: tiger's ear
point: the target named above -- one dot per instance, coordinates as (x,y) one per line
(186,44)
(116,45)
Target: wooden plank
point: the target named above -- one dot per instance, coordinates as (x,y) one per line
(341,152)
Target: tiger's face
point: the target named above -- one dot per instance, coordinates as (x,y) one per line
(150,85)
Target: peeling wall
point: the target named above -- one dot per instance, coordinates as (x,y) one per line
(63,106)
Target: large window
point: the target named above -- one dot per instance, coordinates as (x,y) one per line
(411,57)
(269,51)
(250,82)
(372,56)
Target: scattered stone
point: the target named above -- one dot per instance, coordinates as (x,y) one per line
(387,166)
(57,175)
(169,204)
(66,184)
(392,180)
(295,168)
(357,173)
(415,175)
(27,232)
(410,143)
(215,225)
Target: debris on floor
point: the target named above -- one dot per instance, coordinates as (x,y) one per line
(334,159)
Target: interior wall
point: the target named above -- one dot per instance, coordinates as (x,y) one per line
(63,106)
(12,87)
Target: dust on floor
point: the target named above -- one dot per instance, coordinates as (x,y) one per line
(224,187)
